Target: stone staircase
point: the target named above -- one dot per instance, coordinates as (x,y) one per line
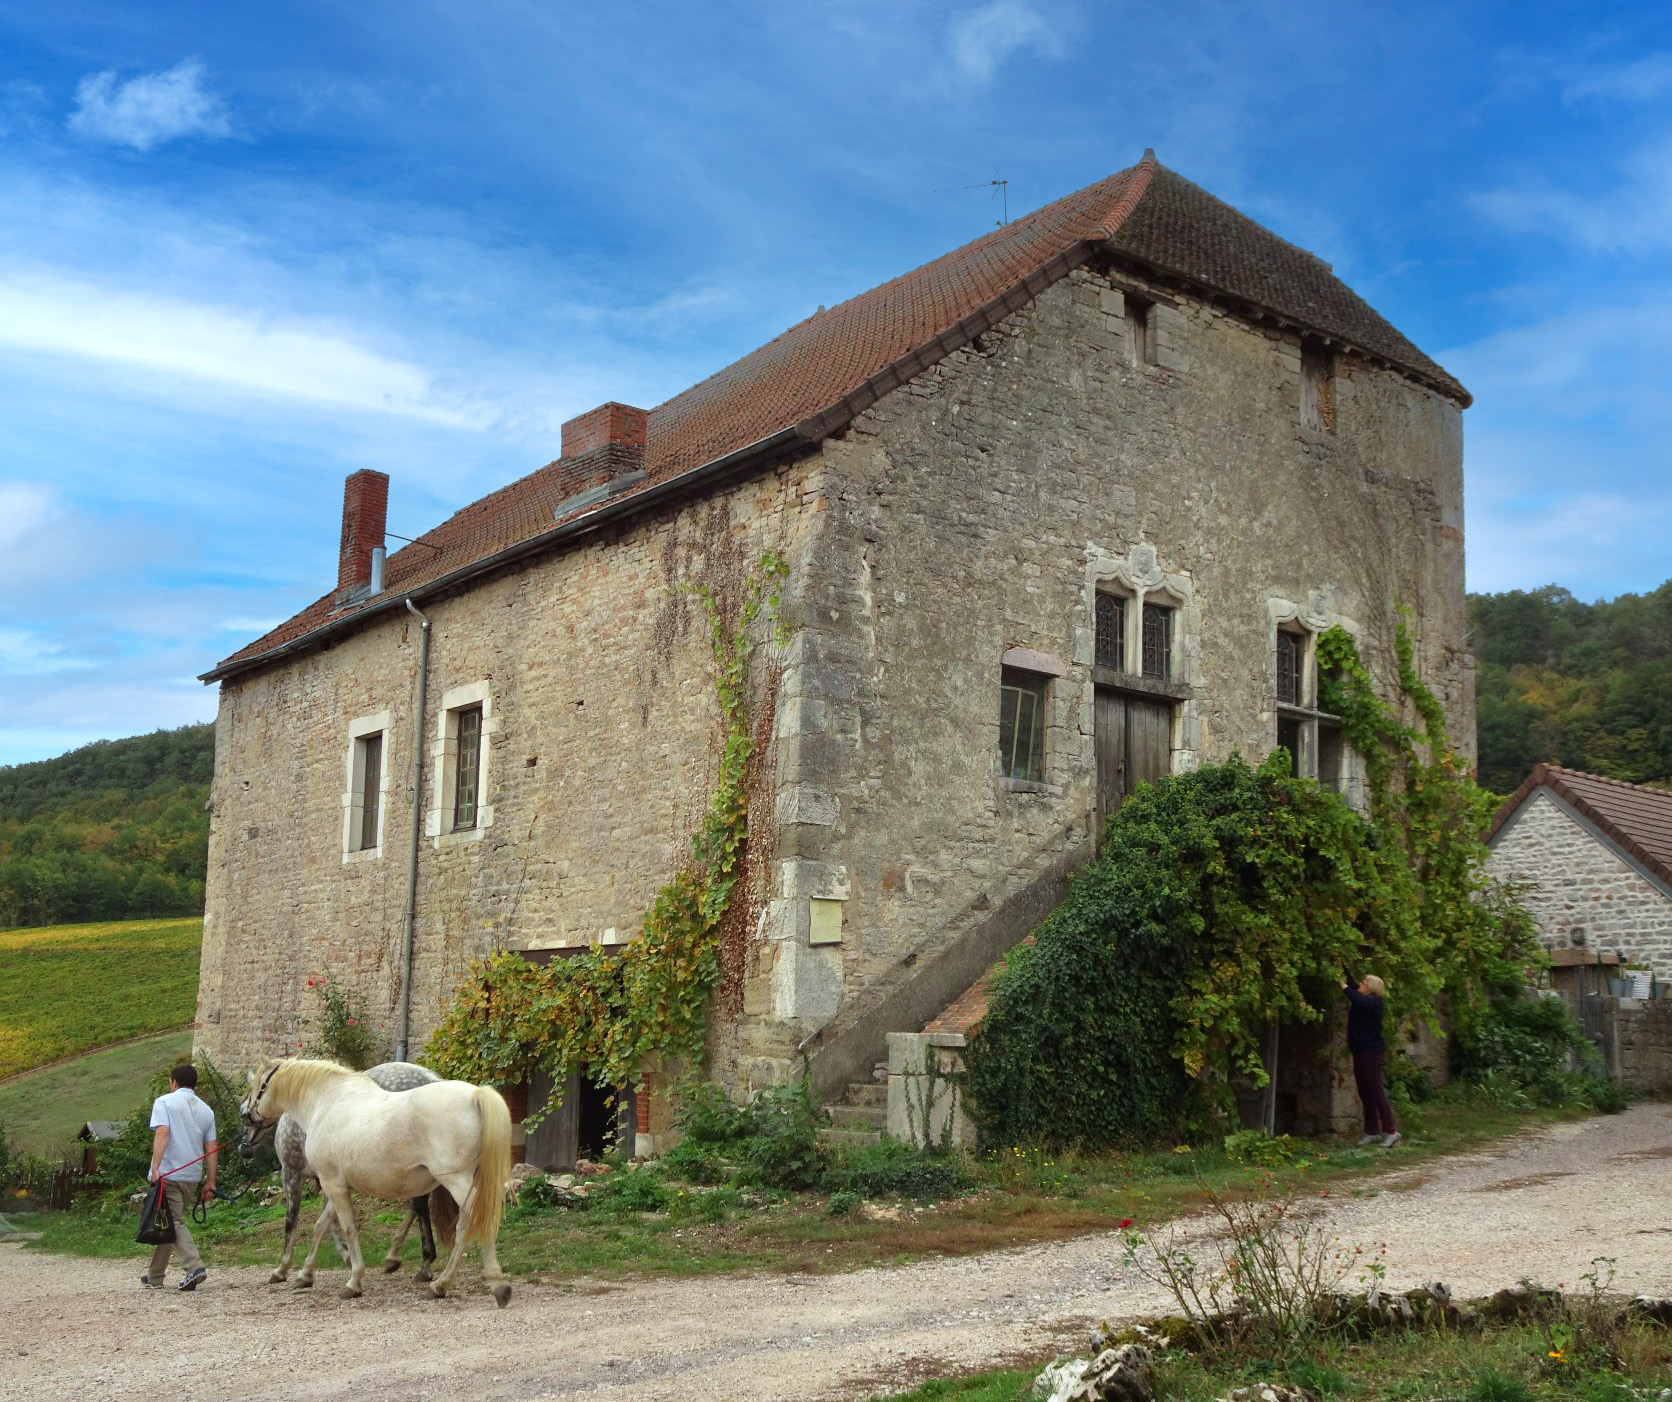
(860,1115)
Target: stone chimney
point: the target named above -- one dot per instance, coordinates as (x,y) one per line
(600,446)
(365,511)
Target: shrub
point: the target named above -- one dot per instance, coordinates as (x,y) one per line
(708,1116)
(782,1149)
(343,1033)
(1605,1096)
(1255,1146)
(893,1169)
(705,1205)
(632,1190)
(698,1161)
(1519,1050)
(843,1203)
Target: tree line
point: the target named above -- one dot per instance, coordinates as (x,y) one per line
(116,830)
(1587,686)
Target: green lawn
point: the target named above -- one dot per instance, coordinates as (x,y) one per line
(43,1110)
(69,988)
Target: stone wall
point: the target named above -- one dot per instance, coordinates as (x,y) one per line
(1580,891)
(977,510)
(600,731)
(1643,1045)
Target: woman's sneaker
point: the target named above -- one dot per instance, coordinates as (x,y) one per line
(1370,1139)
(150,1284)
(194,1277)
(1387,1143)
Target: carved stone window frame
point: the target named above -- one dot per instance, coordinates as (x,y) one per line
(1308,620)
(1139,576)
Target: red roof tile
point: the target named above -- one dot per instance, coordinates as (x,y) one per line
(821,371)
(1633,816)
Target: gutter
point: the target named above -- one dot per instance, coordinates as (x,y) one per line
(409,925)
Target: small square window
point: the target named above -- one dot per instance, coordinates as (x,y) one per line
(1110,650)
(467,772)
(1158,641)
(1022,725)
(368,789)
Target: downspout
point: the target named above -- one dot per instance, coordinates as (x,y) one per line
(410,924)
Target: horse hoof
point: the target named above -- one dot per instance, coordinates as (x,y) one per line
(438,1290)
(348,1292)
(425,1276)
(277,1278)
(502,1295)
(392,1265)
(304,1283)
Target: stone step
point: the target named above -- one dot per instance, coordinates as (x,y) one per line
(853,1138)
(873,1093)
(857,1116)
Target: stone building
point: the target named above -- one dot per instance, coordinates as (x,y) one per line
(1064,510)
(1592,861)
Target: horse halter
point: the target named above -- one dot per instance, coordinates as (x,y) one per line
(246,1112)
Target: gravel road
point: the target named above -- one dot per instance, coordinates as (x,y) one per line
(1542,1205)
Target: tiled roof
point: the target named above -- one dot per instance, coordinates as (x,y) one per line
(809,381)
(1633,816)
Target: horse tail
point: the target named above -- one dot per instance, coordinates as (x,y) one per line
(493,1167)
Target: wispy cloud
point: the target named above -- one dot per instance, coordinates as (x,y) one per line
(1641,80)
(244,350)
(24,508)
(22,107)
(150,109)
(981,40)
(1632,214)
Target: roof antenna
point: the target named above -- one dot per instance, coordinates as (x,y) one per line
(1000,188)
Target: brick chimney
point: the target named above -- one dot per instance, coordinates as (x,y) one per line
(365,510)
(600,445)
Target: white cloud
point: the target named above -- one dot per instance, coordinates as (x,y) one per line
(26,651)
(983,39)
(150,109)
(1598,544)
(243,350)
(24,509)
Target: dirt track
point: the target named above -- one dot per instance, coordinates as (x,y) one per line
(1542,1206)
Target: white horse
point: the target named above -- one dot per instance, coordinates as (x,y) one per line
(397,1145)
(438,1211)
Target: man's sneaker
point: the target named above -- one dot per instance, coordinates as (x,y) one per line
(194,1277)
(1387,1143)
(1370,1139)
(150,1284)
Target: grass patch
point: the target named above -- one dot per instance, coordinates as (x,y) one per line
(1506,1364)
(42,1112)
(67,988)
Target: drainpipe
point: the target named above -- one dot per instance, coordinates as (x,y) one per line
(409,934)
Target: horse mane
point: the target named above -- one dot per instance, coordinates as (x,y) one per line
(298,1075)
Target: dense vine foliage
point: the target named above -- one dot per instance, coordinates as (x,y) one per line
(1233,898)
(612,1009)
(1224,899)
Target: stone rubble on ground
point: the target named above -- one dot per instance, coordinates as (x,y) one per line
(1124,1374)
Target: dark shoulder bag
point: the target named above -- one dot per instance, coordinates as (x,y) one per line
(156,1222)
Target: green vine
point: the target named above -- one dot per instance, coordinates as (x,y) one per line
(610,1010)
(1423,796)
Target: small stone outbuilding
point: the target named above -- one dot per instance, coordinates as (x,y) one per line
(1591,859)
(1064,510)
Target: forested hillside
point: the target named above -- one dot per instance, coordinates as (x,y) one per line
(115,830)
(1588,686)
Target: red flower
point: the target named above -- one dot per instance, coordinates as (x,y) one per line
(351,1022)
(310,983)
(1125,1222)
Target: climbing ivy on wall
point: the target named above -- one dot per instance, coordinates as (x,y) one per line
(613,1008)
(1424,798)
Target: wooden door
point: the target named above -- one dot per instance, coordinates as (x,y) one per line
(1134,739)
(554,1142)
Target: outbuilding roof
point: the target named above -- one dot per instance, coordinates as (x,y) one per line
(1635,817)
(807,383)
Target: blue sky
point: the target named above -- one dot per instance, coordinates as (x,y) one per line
(246,249)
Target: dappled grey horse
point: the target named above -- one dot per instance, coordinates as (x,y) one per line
(290,1143)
